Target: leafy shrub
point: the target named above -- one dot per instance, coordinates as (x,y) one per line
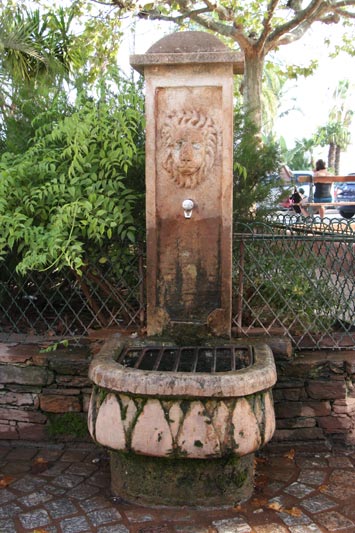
(256,169)
(68,193)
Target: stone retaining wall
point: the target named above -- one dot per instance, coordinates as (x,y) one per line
(35,385)
(314,395)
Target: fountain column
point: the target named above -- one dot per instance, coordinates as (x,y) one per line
(189,170)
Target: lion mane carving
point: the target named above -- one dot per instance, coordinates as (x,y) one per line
(190,140)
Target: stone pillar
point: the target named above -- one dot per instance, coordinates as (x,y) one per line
(189,152)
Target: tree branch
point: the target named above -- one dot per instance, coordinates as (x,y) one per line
(267,22)
(294,29)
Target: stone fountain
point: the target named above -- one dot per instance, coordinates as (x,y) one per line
(183,410)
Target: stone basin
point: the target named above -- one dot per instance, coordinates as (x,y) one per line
(209,421)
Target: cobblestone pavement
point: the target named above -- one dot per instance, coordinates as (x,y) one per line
(52,488)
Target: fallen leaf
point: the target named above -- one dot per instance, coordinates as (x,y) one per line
(294,511)
(238,508)
(275,506)
(39,465)
(290,455)
(40,460)
(5,481)
(259,502)
(323,488)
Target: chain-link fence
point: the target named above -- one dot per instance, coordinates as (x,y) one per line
(290,277)
(296,278)
(52,305)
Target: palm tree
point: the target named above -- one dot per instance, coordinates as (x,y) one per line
(336,133)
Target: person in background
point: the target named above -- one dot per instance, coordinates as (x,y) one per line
(323,190)
(297,200)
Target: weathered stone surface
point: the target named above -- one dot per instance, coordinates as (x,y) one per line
(151,434)
(22,415)
(290,394)
(326,390)
(297,409)
(299,434)
(336,424)
(7,431)
(197,437)
(26,375)
(73,381)
(294,422)
(17,353)
(246,430)
(59,403)
(35,432)
(70,363)
(344,406)
(109,426)
(12,398)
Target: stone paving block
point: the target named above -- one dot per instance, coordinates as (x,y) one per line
(312,477)
(50,454)
(119,528)
(104,516)
(317,503)
(35,498)
(55,470)
(291,520)
(334,521)
(81,469)
(77,524)
(83,491)
(21,454)
(27,484)
(73,456)
(7,526)
(314,462)
(349,511)
(91,504)
(67,481)
(9,510)
(232,525)
(273,488)
(310,528)
(342,477)
(192,529)
(14,468)
(340,462)
(61,508)
(56,491)
(6,496)
(299,490)
(34,519)
(270,528)
(339,491)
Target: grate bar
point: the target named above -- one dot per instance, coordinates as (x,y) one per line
(187,358)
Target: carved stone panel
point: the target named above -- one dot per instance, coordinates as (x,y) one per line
(188,166)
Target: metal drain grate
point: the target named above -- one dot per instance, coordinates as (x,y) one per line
(187,359)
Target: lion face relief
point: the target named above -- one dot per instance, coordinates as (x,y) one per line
(189,147)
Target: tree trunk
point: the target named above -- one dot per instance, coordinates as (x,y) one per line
(253,73)
(337,160)
(331,155)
